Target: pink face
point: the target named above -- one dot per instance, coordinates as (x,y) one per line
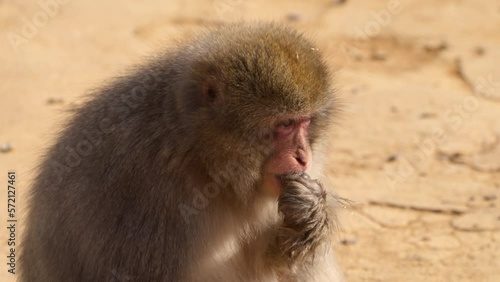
(292,152)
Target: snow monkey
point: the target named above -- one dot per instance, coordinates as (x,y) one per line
(194,166)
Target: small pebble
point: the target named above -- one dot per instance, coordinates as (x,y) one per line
(392,158)
(427,115)
(338,2)
(52,101)
(489,197)
(5,148)
(293,17)
(379,55)
(479,51)
(348,241)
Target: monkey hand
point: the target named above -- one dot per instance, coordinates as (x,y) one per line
(306,219)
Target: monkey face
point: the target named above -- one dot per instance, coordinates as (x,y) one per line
(292,152)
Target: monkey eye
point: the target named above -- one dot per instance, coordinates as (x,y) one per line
(287,123)
(285,127)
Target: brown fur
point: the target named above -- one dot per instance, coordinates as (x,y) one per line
(156,178)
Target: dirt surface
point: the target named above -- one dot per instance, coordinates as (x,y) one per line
(416,149)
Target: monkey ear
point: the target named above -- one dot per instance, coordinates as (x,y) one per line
(211,85)
(210,92)
(203,87)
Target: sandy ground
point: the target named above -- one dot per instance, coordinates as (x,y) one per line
(416,149)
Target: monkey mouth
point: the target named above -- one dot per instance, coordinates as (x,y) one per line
(276,183)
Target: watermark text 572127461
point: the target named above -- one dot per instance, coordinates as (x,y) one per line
(11,221)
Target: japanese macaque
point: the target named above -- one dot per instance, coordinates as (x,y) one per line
(193,167)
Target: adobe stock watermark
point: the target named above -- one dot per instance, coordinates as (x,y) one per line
(373,28)
(120,276)
(202,196)
(222,179)
(223,7)
(453,119)
(31,26)
(92,138)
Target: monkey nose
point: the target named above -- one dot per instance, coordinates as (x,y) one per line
(302,159)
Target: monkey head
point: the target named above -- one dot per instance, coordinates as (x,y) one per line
(257,104)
